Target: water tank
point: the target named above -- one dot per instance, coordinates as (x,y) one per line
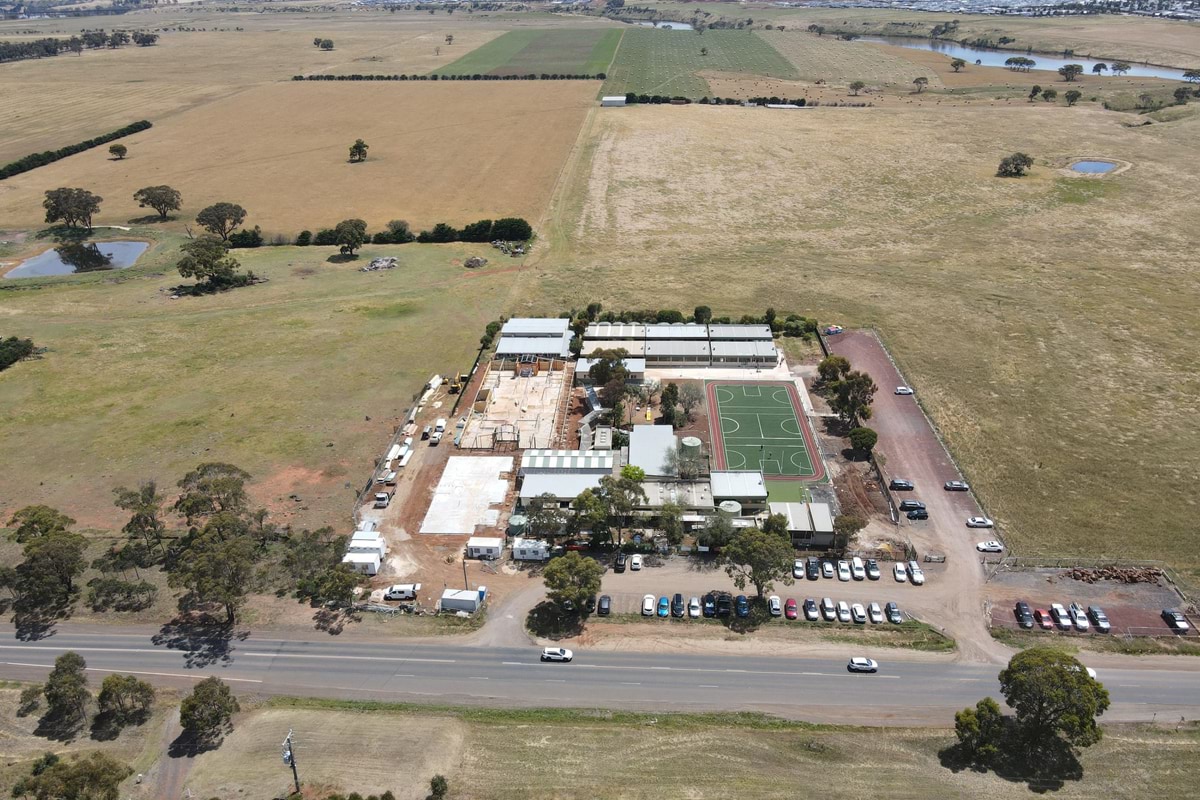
(730,508)
(516,524)
(690,446)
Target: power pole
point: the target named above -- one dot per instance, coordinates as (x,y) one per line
(289,758)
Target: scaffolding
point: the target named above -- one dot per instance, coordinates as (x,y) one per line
(517,405)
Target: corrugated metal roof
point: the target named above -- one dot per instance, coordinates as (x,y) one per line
(822,519)
(796,513)
(485,541)
(739,332)
(676,330)
(565,486)
(675,347)
(634,365)
(737,484)
(649,446)
(535,326)
(615,330)
(744,349)
(635,347)
(534,346)
(573,460)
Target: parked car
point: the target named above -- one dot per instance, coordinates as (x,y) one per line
(604,607)
(827,569)
(915,576)
(911,505)
(694,607)
(1099,619)
(980,522)
(775,605)
(858,614)
(990,547)
(798,568)
(677,607)
(724,605)
(1176,620)
(917,513)
(893,613)
(664,606)
(428,429)
(1044,620)
(1062,617)
(810,610)
(828,609)
(957,486)
(710,605)
(1023,614)
(859,664)
(742,606)
(905,390)
(900,485)
(648,603)
(899,572)
(789,609)
(635,562)
(857,570)
(843,570)
(875,614)
(620,562)
(843,611)
(556,654)
(812,568)
(402,591)
(1079,617)
(872,569)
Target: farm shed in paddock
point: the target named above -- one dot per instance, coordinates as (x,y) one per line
(530,550)
(486,547)
(613,101)
(468,600)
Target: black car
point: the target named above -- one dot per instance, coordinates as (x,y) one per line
(810,609)
(743,606)
(619,564)
(812,568)
(724,605)
(605,606)
(589,605)
(911,505)
(893,613)
(900,485)
(918,513)
(1023,614)
(678,609)
(709,606)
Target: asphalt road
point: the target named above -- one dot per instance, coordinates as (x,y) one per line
(816,689)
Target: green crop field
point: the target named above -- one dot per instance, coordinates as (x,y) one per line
(670,62)
(576,51)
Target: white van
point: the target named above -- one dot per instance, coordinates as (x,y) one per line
(857,570)
(382,499)
(402,591)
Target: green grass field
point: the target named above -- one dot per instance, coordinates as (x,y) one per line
(669,62)
(578,51)
(760,429)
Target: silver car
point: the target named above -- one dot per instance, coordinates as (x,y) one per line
(858,613)
(843,611)
(875,614)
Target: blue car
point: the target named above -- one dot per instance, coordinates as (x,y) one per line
(742,605)
(664,606)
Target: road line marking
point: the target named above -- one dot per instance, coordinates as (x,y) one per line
(629,683)
(1129,685)
(349,658)
(477,678)
(973,680)
(398,675)
(556,680)
(195,677)
(708,686)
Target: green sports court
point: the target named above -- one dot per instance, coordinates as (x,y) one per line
(760,426)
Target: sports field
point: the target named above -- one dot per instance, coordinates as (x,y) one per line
(759,426)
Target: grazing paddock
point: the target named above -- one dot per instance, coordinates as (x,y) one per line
(577,51)
(834,61)
(439,153)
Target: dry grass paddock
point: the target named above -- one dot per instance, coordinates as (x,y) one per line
(1045,322)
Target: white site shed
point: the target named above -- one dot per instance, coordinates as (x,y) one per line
(530,550)
(613,100)
(365,552)
(363,563)
(487,547)
(468,600)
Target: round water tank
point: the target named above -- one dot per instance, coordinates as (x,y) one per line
(730,508)
(516,524)
(690,446)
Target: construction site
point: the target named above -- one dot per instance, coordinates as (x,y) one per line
(520,403)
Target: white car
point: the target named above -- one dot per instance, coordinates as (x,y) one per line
(843,611)
(557,654)
(915,575)
(858,613)
(649,602)
(635,562)
(980,522)
(990,547)
(900,573)
(827,569)
(843,570)
(1061,616)
(857,570)
(694,607)
(859,664)
(904,390)
(798,568)
(775,605)
(875,614)
(1079,617)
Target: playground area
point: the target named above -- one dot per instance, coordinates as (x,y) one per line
(520,404)
(760,426)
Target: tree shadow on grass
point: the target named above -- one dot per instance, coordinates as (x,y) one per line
(333,620)
(548,621)
(151,219)
(342,258)
(187,745)
(62,233)
(204,644)
(108,724)
(1044,769)
(60,727)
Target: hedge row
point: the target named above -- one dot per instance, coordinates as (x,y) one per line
(599,76)
(35,160)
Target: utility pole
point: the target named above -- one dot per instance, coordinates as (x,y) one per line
(289,758)
(466,583)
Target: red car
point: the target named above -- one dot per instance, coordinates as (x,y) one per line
(789,609)
(1044,619)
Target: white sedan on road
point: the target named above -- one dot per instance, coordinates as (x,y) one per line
(904,390)
(990,547)
(859,664)
(980,522)
(557,654)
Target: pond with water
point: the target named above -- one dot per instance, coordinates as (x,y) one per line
(1093,167)
(669,26)
(996,58)
(67,259)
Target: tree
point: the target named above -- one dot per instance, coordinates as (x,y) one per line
(670,522)
(1070,72)
(142,39)
(980,731)
(1099,68)
(13,350)
(449,38)
(207,259)
(668,399)
(544,519)
(1034,91)
(162,199)
(52,564)
(316,41)
(1119,68)
(717,532)
(920,83)
(607,366)
(685,465)
(1014,166)
(118,150)
(438,787)
(703,51)
(125,697)
(957,64)
(145,503)
(205,714)
(75,207)
(1145,100)
(1192,76)
(621,495)
(852,396)
(1181,95)
(221,219)
(327,44)
(777,525)
(856,87)
(845,528)
(690,396)
(211,488)
(1054,699)
(863,439)
(1072,96)
(1049,94)
(33,522)
(335,586)
(758,558)
(572,579)
(218,567)
(96,776)
(66,689)
(590,513)
(833,368)
(702,315)
(358,151)
(351,235)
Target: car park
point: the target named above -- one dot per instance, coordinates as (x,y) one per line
(980,522)
(911,505)
(900,485)
(1175,620)
(1079,617)
(724,605)
(1062,618)
(904,390)
(810,610)
(917,513)
(775,605)
(915,576)
(1044,620)
(557,654)
(827,569)
(1023,614)
(843,570)
(893,613)
(664,606)
(899,572)
(635,562)
(872,569)
(789,609)
(858,614)
(875,613)
(694,607)
(620,562)
(843,611)
(1099,619)
(604,607)
(990,547)
(957,486)
(859,664)
(828,609)
(648,603)
(857,570)
(812,568)
(742,606)
(798,568)
(677,607)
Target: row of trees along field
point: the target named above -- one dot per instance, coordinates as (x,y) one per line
(88,40)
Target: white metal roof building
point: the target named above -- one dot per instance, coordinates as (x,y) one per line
(615,330)
(634,347)
(727,333)
(744,486)
(613,100)
(675,352)
(649,446)
(564,487)
(635,366)
(567,461)
(535,326)
(548,346)
(676,330)
(808,524)
(363,563)
(744,353)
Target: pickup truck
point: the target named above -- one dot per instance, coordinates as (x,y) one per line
(383,498)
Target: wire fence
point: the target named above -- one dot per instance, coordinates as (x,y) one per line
(1186,591)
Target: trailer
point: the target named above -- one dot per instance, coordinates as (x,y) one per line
(468,600)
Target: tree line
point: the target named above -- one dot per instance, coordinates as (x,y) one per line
(545,76)
(398,231)
(35,160)
(89,40)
